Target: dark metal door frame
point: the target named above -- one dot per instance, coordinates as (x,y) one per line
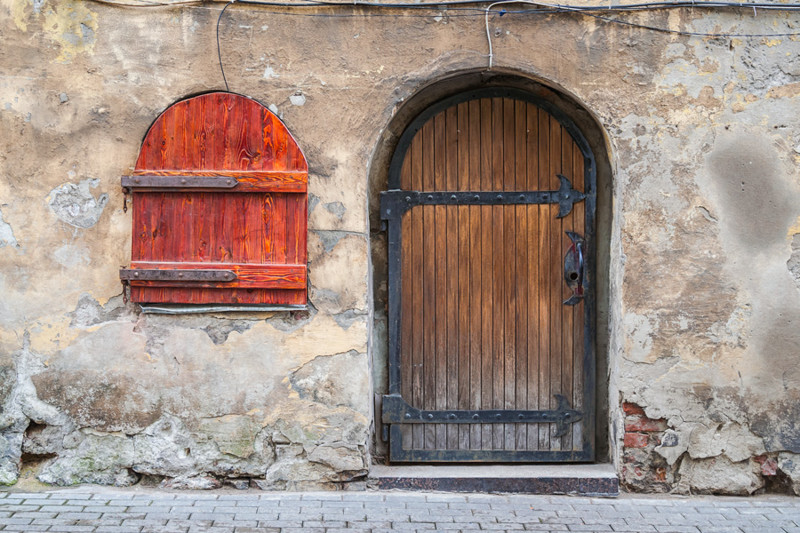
(394,203)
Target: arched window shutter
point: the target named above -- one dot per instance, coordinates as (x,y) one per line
(219,207)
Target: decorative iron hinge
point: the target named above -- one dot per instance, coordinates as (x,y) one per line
(397,411)
(146,181)
(141,274)
(396,202)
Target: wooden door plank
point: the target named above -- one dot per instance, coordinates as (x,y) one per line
(487,251)
(440,281)
(418,436)
(521,281)
(464,299)
(475,269)
(510,273)
(452,302)
(544,247)
(406,287)
(533,259)
(556,277)
(567,312)
(498,275)
(429,283)
(579,311)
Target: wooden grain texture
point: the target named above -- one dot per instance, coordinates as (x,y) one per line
(261,223)
(483,325)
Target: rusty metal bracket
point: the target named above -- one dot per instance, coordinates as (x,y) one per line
(179,182)
(141,274)
(395,203)
(397,411)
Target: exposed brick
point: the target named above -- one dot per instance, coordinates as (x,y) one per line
(632,409)
(642,424)
(636,440)
(769,466)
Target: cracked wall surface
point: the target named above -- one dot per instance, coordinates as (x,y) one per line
(703,276)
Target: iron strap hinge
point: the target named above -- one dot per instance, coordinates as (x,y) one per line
(141,274)
(178,182)
(396,202)
(397,411)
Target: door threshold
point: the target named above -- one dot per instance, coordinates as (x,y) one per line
(578,479)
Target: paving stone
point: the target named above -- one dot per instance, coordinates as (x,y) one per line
(160,512)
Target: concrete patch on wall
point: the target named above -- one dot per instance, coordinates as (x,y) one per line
(76,205)
(7,234)
(794,260)
(334,380)
(720,474)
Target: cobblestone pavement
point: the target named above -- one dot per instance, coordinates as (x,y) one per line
(97,509)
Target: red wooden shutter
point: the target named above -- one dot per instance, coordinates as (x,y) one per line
(219,207)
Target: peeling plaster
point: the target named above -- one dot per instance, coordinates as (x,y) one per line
(76,205)
(7,234)
(68,23)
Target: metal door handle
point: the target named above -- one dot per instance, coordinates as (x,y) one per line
(574,268)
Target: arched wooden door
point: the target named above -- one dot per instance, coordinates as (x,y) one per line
(490,216)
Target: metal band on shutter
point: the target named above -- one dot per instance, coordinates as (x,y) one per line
(134,274)
(179,182)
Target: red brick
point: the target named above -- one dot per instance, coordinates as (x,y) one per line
(642,424)
(769,466)
(636,440)
(632,409)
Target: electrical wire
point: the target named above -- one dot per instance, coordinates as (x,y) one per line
(452,5)
(219,49)
(679,4)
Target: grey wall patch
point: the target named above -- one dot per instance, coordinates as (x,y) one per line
(75,204)
(6,234)
(793,263)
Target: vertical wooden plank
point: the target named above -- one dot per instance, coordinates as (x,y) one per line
(452,302)
(429,288)
(487,251)
(464,296)
(580,309)
(440,267)
(498,275)
(234,133)
(267,139)
(237,224)
(166,159)
(567,224)
(296,228)
(268,215)
(250,157)
(149,152)
(279,245)
(521,282)
(475,271)
(417,352)
(406,295)
(405,170)
(406,303)
(556,276)
(203,123)
(545,262)
(509,271)
(533,260)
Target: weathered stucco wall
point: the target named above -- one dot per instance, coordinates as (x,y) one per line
(704,273)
